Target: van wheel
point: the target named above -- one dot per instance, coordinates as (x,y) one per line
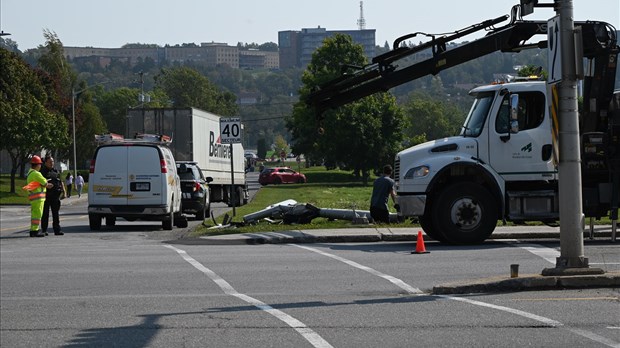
(94,222)
(110,221)
(465,213)
(168,222)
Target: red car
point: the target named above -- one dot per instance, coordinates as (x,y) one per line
(280,175)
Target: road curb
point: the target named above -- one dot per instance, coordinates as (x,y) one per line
(358,235)
(529,282)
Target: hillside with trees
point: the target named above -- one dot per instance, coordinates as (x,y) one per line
(268,101)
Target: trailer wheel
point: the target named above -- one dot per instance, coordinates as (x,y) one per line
(241,196)
(465,213)
(110,221)
(94,222)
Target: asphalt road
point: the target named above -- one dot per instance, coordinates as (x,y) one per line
(138,286)
(129,289)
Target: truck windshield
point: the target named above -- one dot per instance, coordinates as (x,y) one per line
(478,113)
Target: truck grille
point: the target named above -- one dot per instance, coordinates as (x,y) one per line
(396,169)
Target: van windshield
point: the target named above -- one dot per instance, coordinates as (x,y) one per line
(477,115)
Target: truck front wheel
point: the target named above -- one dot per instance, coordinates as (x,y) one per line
(465,213)
(426,222)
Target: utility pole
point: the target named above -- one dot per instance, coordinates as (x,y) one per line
(572,220)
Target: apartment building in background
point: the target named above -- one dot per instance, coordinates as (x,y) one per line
(212,53)
(296,47)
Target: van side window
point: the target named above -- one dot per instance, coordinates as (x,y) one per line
(531,112)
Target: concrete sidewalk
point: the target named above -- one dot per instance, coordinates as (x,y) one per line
(589,278)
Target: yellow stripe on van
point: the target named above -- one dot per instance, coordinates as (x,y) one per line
(113,190)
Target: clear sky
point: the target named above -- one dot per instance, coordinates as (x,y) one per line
(113,23)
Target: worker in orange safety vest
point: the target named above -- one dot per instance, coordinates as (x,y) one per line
(36,187)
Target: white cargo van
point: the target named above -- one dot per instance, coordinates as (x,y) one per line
(134,179)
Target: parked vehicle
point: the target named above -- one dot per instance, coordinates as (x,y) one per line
(503,164)
(197,138)
(194,189)
(280,175)
(134,179)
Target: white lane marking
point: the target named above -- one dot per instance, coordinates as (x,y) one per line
(535,249)
(310,335)
(401,284)
(547,321)
(546,253)
(594,337)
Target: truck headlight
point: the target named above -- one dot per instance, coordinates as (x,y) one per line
(417,172)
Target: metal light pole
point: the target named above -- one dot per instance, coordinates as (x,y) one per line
(572,221)
(74,145)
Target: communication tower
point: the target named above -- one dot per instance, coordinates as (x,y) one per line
(361,22)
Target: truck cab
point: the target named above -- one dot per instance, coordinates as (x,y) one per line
(500,167)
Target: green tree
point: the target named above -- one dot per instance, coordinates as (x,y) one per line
(361,136)
(431,118)
(27,126)
(92,124)
(113,105)
(188,88)
(59,79)
(533,70)
(280,145)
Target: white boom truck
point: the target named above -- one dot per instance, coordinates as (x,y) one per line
(501,166)
(196,137)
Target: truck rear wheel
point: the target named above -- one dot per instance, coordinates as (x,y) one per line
(110,220)
(465,213)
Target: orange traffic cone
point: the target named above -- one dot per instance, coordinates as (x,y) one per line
(419,245)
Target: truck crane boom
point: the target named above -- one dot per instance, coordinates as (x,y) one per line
(383,74)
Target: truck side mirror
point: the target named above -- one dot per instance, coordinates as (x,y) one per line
(514,113)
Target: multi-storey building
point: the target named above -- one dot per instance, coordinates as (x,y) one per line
(255,59)
(212,53)
(296,47)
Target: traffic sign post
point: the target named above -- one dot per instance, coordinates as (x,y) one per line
(230,129)
(230,133)
(554,43)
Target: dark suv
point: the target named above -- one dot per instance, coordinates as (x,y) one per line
(194,189)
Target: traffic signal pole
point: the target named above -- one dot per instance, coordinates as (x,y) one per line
(572,219)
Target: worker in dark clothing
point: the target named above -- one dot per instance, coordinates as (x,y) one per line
(382,188)
(52,198)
